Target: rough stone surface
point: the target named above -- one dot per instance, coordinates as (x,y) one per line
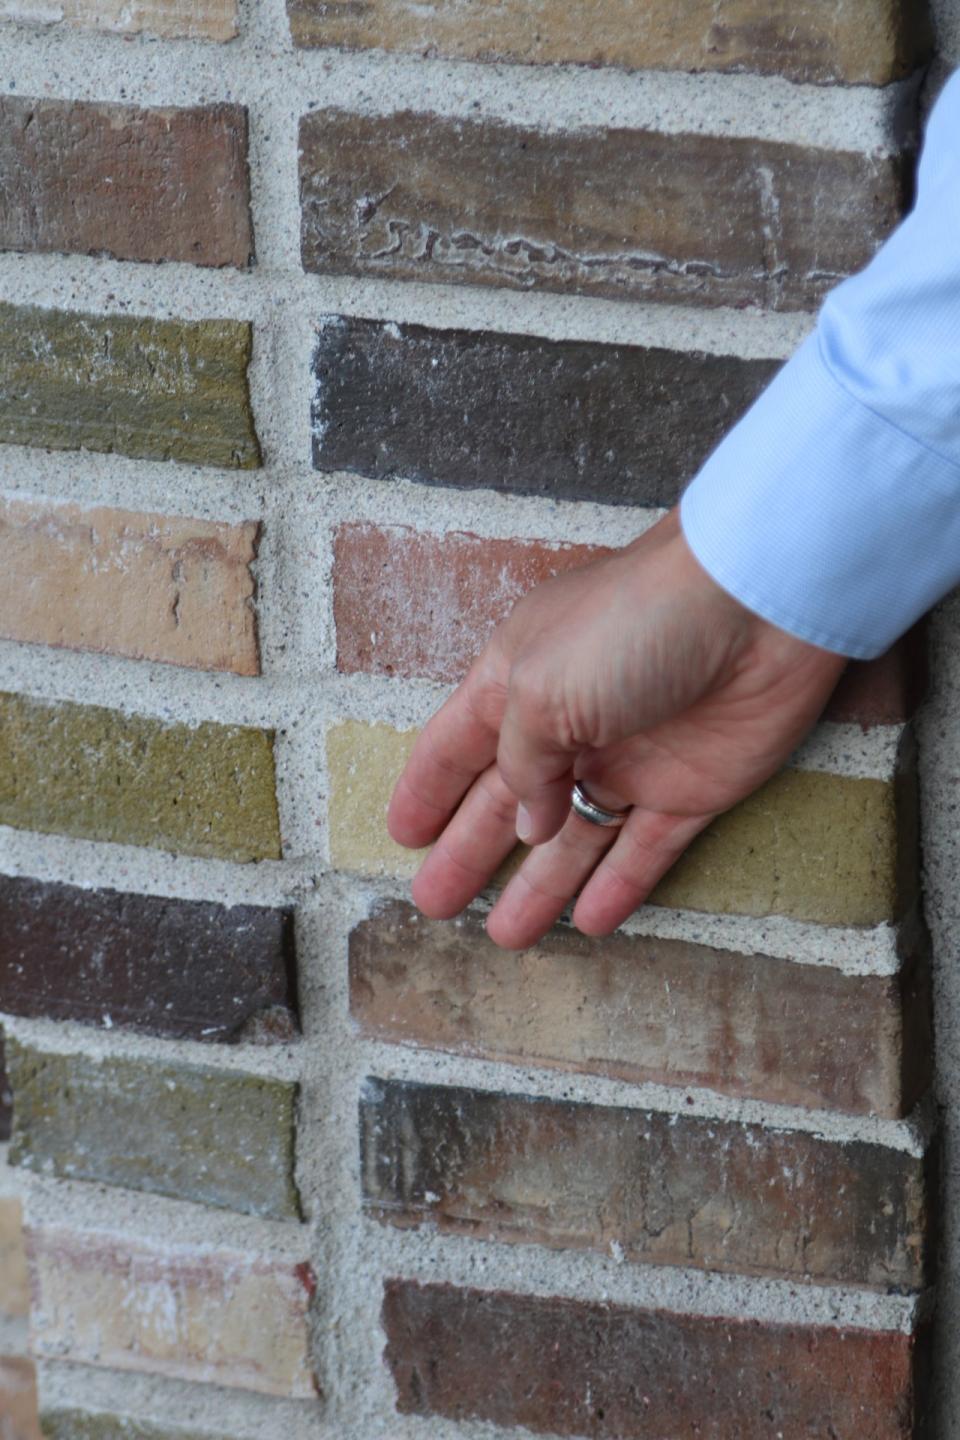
(167,19)
(18,1400)
(216,1137)
(568,1367)
(622,424)
(625,214)
(150,587)
(66,1424)
(640,1009)
(101,775)
(857,41)
(656,1188)
(198,1314)
(14,1284)
(130,384)
(134,184)
(186,969)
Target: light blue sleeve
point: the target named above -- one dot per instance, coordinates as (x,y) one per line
(833,508)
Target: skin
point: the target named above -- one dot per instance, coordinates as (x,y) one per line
(636,674)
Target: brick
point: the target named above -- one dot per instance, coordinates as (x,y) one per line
(186,969)
(167,19)
(363,763)
(568,419)
(622,214)
(573,1367)
(18,1400)
(67,1424)
(6,1097)
(215,1137)
(150,587)
(212,1316)
(658,1188)
(102,775)
(860,42)
(886,691)
(135,184)
(14,1284)
(639,1009)
(129,384)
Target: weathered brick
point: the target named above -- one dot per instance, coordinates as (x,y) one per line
(625,214)
(660,1189)
(857,41)
(101,775)
(168,19)
(130,384)
(624,424)
(363,763)
(135,184)
(573,1367)
(217,1137)
(67,1424)
(14,1285)
(18,1400)
(885,691)
(640,1009)
(219,1317)
(189,969)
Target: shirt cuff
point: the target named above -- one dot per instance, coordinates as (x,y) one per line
(823,517)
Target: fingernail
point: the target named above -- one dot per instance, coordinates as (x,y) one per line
(524,823)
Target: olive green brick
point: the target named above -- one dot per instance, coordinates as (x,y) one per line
(215,1137)
(98,774)
(807,845)
(61,1424)
(130,384)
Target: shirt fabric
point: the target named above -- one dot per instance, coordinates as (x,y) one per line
(833,508)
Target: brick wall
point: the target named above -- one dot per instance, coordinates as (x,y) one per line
(326,331)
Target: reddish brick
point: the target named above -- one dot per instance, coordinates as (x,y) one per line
(885,691)
(18,1400)
(136,184)
(570,1367)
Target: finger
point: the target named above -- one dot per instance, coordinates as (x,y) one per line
(546,883)
(649,843)
(470,851)
(535,761)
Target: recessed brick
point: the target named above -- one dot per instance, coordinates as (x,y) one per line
(130,384)
(623,214)
(640,1009)
(99,774)
(136,184)
(14,1284)
(572,1367)
(569,419)
(216,1137)
(860,42)
(18,1400)
(218,1317)
(167,19)
(188,969)
(659,1188)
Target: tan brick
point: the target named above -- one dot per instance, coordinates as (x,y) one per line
(857,41)
(151,587)
(213,1316)
(363,763)
(18,1400)
(14,1285)
(168,19)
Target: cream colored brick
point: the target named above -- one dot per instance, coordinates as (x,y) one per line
(169,19)
(364,762)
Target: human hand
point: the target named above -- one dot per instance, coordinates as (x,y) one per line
(637,675)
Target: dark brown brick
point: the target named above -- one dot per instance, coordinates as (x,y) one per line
(189,969)
(625,214)
(640,1009)
(569,419)
(136,184)
(885,691)
(569,1367)
(665,1189)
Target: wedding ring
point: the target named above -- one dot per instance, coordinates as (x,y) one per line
(582,805)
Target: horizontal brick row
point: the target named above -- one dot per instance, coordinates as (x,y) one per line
(573,1367)
(187,969)
(216,1137)
(18,1399)
(653,1187)
(638,1009)
(621,214)
(808,845)
(856,41)
(102,775)
(130,384)
(417,605)
(568,419)
(135,184)
(211,1316)
(167,19)
(14,1283)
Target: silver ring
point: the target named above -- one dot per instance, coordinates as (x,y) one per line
(582,805)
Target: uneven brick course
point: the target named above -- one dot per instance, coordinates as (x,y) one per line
(167,19)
